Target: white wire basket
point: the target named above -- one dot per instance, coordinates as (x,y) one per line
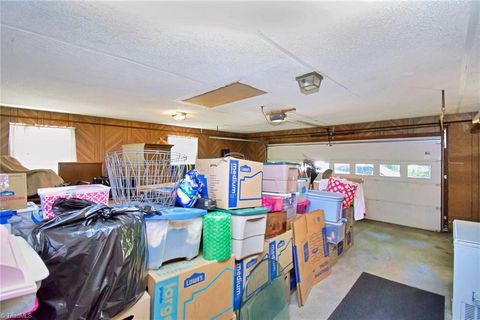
(144,175)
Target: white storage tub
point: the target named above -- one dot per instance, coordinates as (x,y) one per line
(176,233)
(93,192)
(280,171)
(31,209)
(279,186)
(335,231)
(248,231)
(247,247)
(329,202)
(21,273)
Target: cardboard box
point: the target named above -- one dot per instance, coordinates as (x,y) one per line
(335,251)
(243,268)
(195,289)
(139,311)
(276,224)
(13,191)
(287,286)
(279,249)
(233,183)
(310,252)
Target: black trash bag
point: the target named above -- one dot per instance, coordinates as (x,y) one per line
(97,259)
(62,205)
(22,225)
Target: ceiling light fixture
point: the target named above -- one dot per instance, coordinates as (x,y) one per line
(277,117)
(309,83)
(179,116)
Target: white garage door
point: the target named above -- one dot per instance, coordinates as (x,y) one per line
(402,178)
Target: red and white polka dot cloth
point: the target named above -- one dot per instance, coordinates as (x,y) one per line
(335,185)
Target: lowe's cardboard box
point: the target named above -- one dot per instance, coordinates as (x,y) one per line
(279,249)
(195,289)
(233,183)
(13,191)
(139,311)
(243,268)
(310,252)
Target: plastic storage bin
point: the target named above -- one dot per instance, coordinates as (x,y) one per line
(21,273)
(94,192)
(329,202)
(302,188)
(31,209)
(5,215)
(279,186)
(176,233)
(335,231)
(302,207)
(248,231)
(280,171)
(280,202)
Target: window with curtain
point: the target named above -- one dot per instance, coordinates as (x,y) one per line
(187,146)
(42,147)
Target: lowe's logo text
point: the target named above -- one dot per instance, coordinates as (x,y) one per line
(194,279)
(281,243)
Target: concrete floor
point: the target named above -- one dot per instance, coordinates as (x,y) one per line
(417,258)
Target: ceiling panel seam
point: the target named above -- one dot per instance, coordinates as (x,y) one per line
(299,60)
(100,52)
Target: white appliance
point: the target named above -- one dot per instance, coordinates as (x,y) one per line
(466,270)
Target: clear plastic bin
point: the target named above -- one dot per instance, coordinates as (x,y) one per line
(280,171)
(329,202)
(280,202)
(174,234)
(335,231)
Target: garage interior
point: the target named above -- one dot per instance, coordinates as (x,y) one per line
(379,97)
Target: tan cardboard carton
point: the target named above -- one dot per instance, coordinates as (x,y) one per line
(196,289)
(233,183)
(13,191)
(310,252)
(243,268)
(279,249)
(139,311)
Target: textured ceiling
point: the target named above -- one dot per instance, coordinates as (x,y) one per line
(138,60)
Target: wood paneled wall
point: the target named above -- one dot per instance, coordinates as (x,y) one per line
(463,142)
(95,136)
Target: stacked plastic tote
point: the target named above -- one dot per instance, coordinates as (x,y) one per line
(331,204)
(280,194)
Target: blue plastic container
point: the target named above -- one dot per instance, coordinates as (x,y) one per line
(329,202)
(335,231)
(174,234)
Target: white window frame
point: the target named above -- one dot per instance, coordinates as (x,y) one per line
(191,152)
(34,153)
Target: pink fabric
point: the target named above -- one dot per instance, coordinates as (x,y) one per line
(335,185)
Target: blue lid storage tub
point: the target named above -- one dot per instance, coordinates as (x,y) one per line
(172,234)
(329,202)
